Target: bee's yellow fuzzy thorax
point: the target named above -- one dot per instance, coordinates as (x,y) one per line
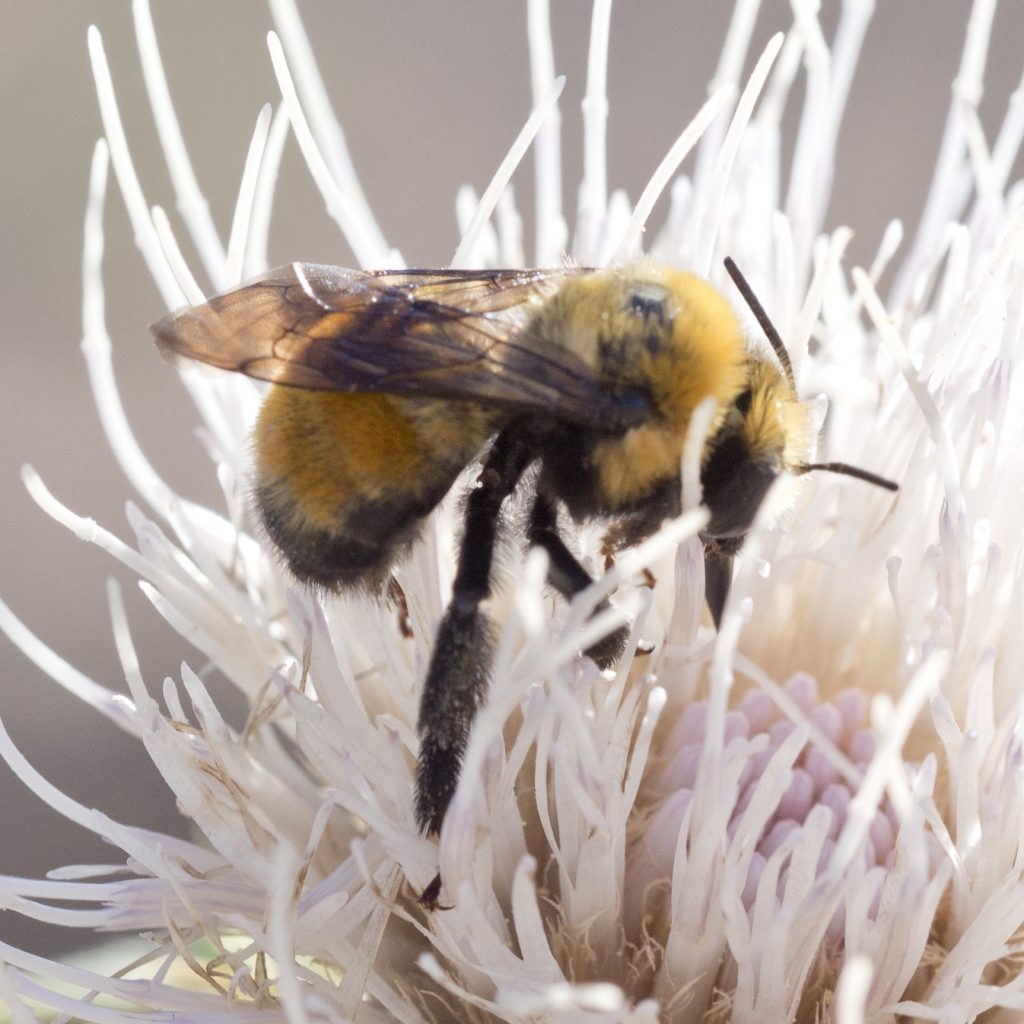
(664,332)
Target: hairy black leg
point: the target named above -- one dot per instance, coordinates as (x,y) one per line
(459,669)
(568,577)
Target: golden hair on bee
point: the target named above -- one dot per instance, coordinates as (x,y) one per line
(387,384)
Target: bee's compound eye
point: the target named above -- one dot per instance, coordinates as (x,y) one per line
(743,400)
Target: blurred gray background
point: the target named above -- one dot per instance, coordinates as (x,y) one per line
(430,96)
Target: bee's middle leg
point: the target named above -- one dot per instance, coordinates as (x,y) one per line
(568,577)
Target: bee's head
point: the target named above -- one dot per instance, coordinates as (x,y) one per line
(764,432)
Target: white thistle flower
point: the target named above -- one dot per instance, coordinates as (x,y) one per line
(740,826)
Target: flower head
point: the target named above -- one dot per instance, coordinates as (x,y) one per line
(813,813)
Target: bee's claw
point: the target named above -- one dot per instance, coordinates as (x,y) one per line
(428,898)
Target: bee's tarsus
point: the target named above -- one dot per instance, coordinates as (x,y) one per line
(396,597)
(428,898)
(609,649)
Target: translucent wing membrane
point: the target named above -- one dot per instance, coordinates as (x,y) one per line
(446,334)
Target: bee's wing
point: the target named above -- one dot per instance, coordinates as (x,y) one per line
(446,334)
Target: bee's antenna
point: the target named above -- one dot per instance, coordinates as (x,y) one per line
(762,318)
(845,470)
(783,356)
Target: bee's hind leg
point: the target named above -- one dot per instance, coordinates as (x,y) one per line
(460,667)
(568,577)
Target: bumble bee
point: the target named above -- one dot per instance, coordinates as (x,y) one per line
(388,384)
